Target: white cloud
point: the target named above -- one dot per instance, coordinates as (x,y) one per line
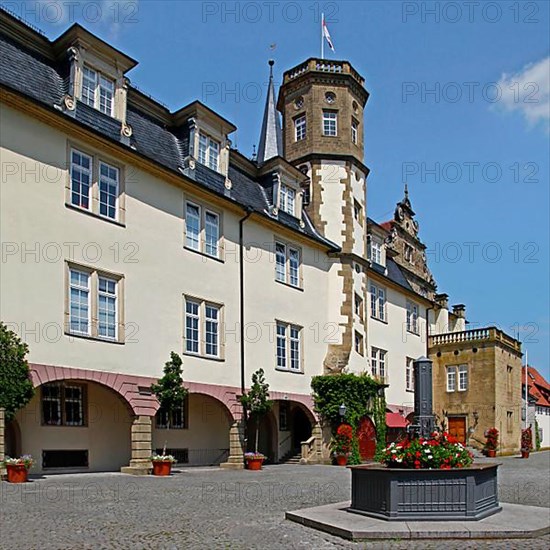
(528,91)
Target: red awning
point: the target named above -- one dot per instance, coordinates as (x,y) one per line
(395,420)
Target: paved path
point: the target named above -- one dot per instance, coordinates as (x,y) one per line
(213,508)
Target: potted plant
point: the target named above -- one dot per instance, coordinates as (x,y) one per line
(18,468)
(491,442)
(341,444)
(170,393)
(162,464)
(526,442)
(256,402)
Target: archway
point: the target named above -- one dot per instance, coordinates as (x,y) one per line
(366,434)
(266,436)
(12,439)
(198,434)
(300,427)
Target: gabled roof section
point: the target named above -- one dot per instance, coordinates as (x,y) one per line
(30,69)
(539,388)
(271,136)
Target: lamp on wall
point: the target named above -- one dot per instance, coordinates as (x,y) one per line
(476,415)
(342,410)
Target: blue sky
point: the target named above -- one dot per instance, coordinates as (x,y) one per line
(474,151)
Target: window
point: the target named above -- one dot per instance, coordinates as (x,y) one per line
(178,418)
(284,414)
(357,211)
(93,178)
(108,190)
(93,299)
(107,308)
(81,179)
(451,379)
(378,362)
(358,303)
(209,152)
(509,378)
(289,347)
(287,199)
(202,230)
(330,124)
(509,421)
(63,404)
(462,377)
(378,302)
(409,253)
(412,317)
(300,128)
(354,131)
(375,251)
(79,302)
(287,264)
(409,374)
(202,328)
(98,91)
(359,346)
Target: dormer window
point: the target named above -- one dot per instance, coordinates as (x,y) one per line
(375,251)
(209,152)
(287,199)
(98,91)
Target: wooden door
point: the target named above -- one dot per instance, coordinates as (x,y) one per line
(457,428)
(366,434)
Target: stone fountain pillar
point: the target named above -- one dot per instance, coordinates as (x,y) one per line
(424,419)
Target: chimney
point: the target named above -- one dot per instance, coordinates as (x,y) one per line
(460,311)
(442,300)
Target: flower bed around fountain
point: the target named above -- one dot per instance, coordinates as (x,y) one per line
(425,479)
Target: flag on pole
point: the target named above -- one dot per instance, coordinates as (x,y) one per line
(326,34)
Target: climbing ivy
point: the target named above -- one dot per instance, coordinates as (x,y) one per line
(537,437)
(360,394)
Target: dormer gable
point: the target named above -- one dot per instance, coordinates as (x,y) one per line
(96,71)
(207,135)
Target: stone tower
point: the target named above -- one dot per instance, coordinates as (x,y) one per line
(322,104)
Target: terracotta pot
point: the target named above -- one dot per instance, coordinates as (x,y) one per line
(162,468)
(17,474)
(341,460)
(491,453)
(524,454)
(254,463)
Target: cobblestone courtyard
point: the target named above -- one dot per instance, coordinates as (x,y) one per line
(214,508)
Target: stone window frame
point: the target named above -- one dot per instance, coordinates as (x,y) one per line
(463,370)
(199,126)
(97,158)
(408,253)
(203,209)
(451,370)
(288,247)
(300,127)
(287,339)
(359,306)
(380,314)
(354,131)
(409,374)
(203,302)
(359,343)
(331,112)
(357,211)
(63,384)
(93,304)
(380,250)
(98,76)
(210,140)
(412,321)
(379,357)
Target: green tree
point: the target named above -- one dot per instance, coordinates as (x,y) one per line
(256,401)
(16,388)
(169,389)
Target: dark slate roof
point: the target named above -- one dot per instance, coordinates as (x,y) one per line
(394,273)
(43,81)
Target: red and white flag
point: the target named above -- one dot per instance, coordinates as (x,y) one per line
(326,34)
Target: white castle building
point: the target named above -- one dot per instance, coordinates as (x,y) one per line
(129,231)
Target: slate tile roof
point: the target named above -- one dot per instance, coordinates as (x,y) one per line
(44,81)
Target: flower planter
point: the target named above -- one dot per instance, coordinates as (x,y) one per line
(341,460)
(162,467)
(17,473)
(524,454)
(254,463)
(395,494)
(491,453)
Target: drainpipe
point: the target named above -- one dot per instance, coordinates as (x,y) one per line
(241,306)
(428,309)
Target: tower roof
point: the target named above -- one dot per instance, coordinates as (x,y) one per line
(271,137)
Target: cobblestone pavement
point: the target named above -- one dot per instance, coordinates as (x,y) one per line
(213,508)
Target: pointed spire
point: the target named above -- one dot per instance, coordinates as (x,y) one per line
(406,191)
(271,137)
